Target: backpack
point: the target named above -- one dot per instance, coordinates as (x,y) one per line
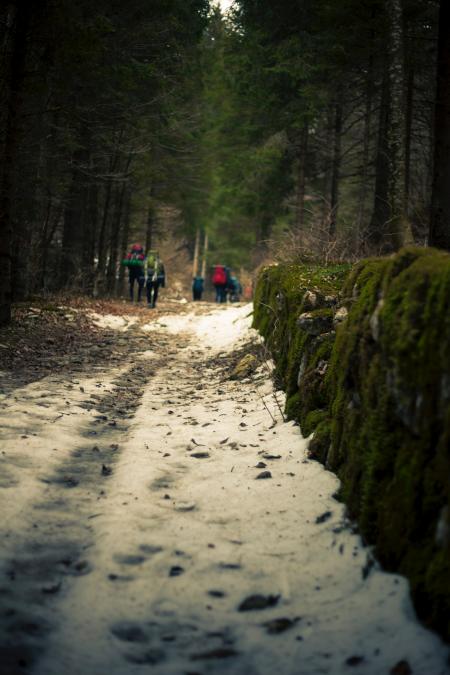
(135,258)
(197,284)
(219,276)
(151,261)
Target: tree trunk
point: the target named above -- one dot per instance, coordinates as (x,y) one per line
(205,256)
(360,226)
(440,202)
(44,245)
(89,238)
(334,195)
(326,187)
(301,177)
(149,233)
(114,244)
(52,222)
(196,253)
(102,238)
(381,211)
(408,132)
(101,264)
(389,225)
(398,232)
(16,76)
(125,233)
(71,271)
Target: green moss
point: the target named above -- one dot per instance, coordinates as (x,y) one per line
(320,443)
(380,411)
(312,421)
(278,302)
(293,406)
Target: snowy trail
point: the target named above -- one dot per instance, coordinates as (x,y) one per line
(150,534)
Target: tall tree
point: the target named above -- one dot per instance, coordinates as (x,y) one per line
(17,21)
(440,212)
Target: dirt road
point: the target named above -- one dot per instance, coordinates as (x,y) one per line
(158,516)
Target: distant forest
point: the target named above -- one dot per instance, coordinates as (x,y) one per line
(301,128)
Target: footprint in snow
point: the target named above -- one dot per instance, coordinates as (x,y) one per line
(149,549)
(129,559)
(324,517)
(257,602)
(176,571)
(151,657)
(219,653)
(277,626)
(216,594)
(129,631)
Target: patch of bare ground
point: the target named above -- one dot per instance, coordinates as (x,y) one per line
(51,335)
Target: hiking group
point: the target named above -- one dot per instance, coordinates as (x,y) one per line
(145,270)
(148,270)
(226,284)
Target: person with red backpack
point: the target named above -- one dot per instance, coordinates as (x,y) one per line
(219,279)
(135,260)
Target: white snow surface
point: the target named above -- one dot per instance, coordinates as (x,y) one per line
(122,323)
(172,543)
(224,328)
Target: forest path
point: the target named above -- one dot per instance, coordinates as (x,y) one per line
(139,533)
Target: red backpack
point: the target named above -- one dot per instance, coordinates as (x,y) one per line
(219,276)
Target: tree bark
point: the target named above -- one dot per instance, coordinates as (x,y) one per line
(440,202)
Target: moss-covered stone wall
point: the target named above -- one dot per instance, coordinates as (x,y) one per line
(363,354)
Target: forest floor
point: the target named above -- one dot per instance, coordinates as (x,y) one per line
(160,516)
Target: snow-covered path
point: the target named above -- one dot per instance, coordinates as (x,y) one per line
(152,542)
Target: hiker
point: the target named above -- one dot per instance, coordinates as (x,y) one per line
(198,286)
(156,277)
(219,280)
(235,289)
(134,260)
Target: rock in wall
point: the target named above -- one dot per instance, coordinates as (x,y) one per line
(363,354)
